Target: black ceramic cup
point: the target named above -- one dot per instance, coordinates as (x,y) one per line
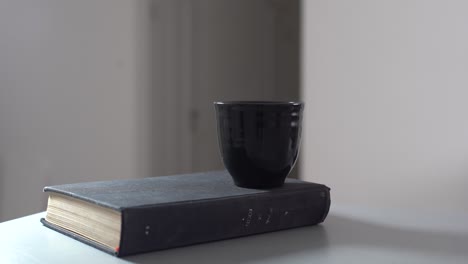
(259,141)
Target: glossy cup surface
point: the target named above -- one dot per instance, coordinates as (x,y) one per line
(259,141)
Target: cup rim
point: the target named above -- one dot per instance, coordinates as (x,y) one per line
(262,103)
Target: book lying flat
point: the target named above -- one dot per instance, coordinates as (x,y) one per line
(124,217)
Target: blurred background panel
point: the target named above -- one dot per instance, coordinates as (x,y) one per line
(70,89)
(243,50)
(385,83)
(107,89)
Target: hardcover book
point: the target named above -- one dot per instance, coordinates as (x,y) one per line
(124,217)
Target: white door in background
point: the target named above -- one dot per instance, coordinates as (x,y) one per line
(241,50)
(98,90)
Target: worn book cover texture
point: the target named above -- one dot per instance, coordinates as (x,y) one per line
(172,211)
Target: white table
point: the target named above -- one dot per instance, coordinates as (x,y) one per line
(349,235)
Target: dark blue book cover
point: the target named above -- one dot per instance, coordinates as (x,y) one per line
(172,211)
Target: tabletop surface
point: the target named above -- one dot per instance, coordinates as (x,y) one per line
(350,234)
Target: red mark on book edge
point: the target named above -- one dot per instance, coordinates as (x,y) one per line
(117,249)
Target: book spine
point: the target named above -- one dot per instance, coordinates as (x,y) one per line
(166,226)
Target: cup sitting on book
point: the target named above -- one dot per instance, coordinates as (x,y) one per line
(259,140)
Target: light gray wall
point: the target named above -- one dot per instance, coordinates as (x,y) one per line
(385,83)
(106,89)
(71,80)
